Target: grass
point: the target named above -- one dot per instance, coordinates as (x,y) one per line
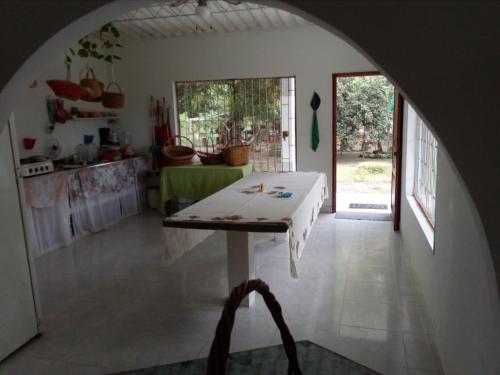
(366,171)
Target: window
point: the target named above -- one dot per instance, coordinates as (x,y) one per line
(424,188)
(257,111)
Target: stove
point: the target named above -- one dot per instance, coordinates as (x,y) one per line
(36,165)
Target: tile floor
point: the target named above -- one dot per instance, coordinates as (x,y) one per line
(110,305)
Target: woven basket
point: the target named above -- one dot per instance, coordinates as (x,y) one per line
(237,154)
(210,158)
(93,86)
(217,360)
(113,99)
(178,155)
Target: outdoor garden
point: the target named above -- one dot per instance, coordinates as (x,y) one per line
(364,134)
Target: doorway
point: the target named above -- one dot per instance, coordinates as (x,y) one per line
(364,109)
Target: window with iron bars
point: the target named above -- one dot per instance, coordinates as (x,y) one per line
(260,111)
(424,188)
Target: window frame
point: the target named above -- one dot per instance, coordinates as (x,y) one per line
(177,124)
(431,151)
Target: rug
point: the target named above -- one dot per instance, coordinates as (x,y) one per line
(369,206)
(374,216)
(313,359)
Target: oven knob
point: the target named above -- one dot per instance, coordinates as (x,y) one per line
(36,169)
(30,170)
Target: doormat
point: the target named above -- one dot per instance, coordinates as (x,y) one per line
(371,206)
(374,216)
(313,360)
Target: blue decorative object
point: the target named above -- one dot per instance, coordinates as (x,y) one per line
(286,194)
(88,138)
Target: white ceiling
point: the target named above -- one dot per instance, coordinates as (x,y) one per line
(161,20)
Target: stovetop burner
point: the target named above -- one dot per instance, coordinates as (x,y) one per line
(34,159)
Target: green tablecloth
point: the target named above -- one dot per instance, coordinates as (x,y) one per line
(197,181)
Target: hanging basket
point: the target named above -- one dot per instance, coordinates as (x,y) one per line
(210,158)
(113,99)
(178,155)
(67,89)
(92,85)
(237,155)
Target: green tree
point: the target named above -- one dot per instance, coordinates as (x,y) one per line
(363,105)
(242,103)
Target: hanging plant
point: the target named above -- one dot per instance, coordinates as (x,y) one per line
(110,36)
(67,57)
(89,48)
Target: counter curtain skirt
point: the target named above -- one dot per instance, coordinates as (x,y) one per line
(64,205)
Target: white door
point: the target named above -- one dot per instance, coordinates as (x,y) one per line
(17,307)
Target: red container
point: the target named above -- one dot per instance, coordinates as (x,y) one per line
(67,89)
(29,143)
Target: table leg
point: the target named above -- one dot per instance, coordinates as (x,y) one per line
(240,261)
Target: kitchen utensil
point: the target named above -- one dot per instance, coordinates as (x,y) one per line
(104,136)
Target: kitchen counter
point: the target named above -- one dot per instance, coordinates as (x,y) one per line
(68,203)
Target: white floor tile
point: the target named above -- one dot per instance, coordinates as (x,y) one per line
(110,305)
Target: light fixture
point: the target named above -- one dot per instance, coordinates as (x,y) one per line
(202,10)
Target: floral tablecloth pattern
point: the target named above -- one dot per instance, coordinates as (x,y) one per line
(244,202)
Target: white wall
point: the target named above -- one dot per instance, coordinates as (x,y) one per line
(457,280)
(31,110)
(309,53)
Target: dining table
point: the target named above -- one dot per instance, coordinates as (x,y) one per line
(272,202)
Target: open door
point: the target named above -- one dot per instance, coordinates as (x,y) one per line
(397,133)
(18,320)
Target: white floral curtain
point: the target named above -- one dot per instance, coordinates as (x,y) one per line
(62,206)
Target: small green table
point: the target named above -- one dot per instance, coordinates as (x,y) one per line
(197,181)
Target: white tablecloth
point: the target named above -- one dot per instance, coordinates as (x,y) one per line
(242,203)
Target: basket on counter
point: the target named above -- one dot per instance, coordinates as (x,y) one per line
(178,154)
(210,158)
(236,155)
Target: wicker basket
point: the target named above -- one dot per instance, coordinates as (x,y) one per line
(237,154)
(93,86)
(178,155)
(210,158)
(219,352)
(113,99)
